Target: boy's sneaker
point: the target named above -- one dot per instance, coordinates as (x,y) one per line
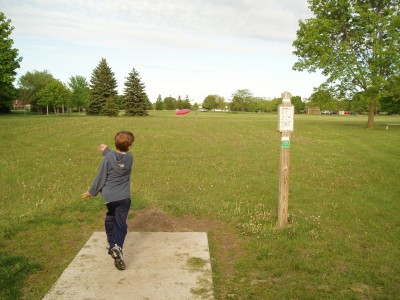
(116,253)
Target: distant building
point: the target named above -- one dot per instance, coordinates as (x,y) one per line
(18,104)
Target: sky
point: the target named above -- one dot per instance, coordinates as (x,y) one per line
(179,47)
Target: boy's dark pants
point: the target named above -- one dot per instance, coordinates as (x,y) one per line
(115,221)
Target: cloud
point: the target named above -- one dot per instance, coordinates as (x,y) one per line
(200,46)
(158,21)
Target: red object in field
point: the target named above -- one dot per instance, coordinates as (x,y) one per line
(182,111)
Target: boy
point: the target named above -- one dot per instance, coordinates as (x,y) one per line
(113,181)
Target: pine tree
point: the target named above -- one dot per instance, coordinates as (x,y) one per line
(103,88)
(110,108)
(159,103)
(136,100)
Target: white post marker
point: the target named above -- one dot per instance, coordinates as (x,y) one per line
(285,126)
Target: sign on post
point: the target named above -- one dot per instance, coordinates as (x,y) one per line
(285,126)
(285,117)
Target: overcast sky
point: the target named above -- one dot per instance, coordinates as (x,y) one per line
(179,47)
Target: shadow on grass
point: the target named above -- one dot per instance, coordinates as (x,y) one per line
(13,272)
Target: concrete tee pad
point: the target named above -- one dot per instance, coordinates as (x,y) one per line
(159,265)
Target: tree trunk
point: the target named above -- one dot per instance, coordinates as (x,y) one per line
(371,115)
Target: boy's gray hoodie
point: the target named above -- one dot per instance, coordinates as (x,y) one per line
(113,177)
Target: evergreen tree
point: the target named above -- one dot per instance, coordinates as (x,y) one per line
(136,100)
(186,103)
(103,88)
(110,108)
(9,62)
(179,103)
(120,101)
(159,103)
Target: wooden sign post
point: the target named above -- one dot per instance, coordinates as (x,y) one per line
(285,126)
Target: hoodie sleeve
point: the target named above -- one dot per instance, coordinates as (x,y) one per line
(100,179)
(106,151)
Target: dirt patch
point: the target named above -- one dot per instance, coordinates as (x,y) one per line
(225,245)
(158,220)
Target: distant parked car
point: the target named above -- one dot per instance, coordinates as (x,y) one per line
(325,112)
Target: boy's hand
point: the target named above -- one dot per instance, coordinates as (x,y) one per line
(86,195)
(102,147)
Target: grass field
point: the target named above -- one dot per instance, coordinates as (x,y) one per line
(344,235)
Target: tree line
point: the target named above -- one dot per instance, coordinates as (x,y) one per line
(99,97)
(353,43)
(42,92)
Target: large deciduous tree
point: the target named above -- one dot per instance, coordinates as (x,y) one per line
(80,91)
(103,88)
(31,83)
(56,95)
(243,100)
(135,97)
(355,43)
(169,103)
(9,62)
(298,104)
(210,102)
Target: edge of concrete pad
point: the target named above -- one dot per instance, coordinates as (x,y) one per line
(159,265)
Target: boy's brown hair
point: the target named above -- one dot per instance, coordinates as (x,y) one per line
(124,140)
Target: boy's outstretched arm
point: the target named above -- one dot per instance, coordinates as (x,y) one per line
(104,149)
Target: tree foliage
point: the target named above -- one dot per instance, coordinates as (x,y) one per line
(135,97)
(110,108)
(390,102)
(56,95)
(183,103)
(159,103)
(169,103)
(103,88)
(30,85)
(9,62)
(298,104)
(242,100)
(179,102)
(213,102)
(80,91)
(120,101)
(355,43)
(186,103)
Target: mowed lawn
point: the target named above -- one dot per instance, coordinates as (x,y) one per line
(344,204)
